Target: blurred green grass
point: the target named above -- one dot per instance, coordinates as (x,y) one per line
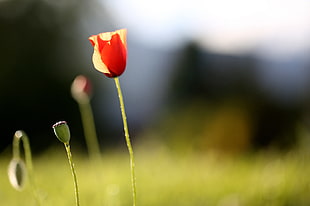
(167,178)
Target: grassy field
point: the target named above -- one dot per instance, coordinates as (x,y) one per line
(166,178)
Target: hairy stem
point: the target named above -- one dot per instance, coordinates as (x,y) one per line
(76,189)
(130,150)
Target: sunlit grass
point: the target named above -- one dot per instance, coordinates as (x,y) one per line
(167,178)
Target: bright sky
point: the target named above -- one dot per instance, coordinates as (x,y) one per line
(280,26)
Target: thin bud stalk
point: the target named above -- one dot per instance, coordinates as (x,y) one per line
(21,136)
(76,188)
(89,130)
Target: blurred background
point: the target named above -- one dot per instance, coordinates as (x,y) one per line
(232,76)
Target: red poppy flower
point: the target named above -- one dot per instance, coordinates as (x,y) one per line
(110,52)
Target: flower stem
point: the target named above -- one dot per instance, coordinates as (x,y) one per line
(76,189)
(90,130)
(21,136)
(130,150)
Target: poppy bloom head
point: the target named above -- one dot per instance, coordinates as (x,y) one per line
(110,52)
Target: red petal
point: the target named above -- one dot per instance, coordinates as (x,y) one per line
(113,54)
(91,40)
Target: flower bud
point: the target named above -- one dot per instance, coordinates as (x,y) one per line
(19,134)
(81,89)
(62,132)
(17,173)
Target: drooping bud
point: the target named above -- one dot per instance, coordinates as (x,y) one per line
(19,134)
(81,89)
(62,132)
(17,173)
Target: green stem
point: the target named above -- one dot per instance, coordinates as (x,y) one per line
(16,147)
(21,136)
(89,130)
(76,189)
(28,156)
(130,150)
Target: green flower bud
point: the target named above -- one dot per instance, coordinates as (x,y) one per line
(62,131)
(17,173)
